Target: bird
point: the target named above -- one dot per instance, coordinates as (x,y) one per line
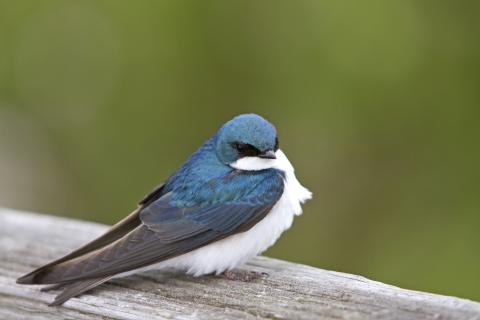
(229,202)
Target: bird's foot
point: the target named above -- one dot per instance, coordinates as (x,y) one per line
(242,275)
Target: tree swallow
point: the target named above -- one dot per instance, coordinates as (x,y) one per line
(230,201)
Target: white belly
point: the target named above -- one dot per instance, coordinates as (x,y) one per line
(235,250)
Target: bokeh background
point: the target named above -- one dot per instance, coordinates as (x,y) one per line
(377,104)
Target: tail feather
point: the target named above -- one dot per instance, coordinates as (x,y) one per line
(35,276)
(77,288)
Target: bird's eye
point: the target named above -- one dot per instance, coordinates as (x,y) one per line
(276,144)
(245,149)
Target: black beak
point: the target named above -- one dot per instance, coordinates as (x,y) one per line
(269,154)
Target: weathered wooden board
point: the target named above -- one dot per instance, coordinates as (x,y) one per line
(289,291)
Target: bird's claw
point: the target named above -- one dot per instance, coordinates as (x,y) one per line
(242,275)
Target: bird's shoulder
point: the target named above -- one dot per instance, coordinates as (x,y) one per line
(232,186)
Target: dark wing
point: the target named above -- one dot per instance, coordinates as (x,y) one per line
(77,288)
(116,232)
(168,231)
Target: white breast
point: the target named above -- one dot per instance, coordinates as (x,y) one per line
(235,250)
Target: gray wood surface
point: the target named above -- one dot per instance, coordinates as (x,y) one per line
(289,291)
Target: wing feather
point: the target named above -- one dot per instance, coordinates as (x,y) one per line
(77,288)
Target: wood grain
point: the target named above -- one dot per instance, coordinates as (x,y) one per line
(289,291)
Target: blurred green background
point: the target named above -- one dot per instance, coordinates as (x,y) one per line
(377,104)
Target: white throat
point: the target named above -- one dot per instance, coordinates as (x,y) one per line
(256,163)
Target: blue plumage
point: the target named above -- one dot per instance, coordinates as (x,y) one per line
(226,205)
(248,128)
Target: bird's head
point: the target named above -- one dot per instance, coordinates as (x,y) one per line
(247,142)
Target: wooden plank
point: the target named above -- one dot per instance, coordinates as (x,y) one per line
(289,291)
